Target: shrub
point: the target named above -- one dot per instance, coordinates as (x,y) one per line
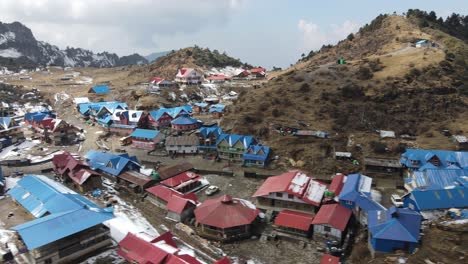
(351,91)
(378,147)
(350,37)
(305,88)
(364,73)
(276,112)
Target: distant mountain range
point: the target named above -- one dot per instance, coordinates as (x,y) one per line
(156,55)
(18,46)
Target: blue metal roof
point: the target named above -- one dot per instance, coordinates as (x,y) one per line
(446,157)
(173,112)
(438,179)
(5,122)
(400,224)
(217,108)
(69,212)
(96,107)
(232,139)
(111,163)
(443,198)
(208,131)
(38,116)
(145,133)
(254,152)
(185,120)
(202,105)
(353,191)
(101,89)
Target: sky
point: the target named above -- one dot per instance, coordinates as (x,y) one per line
(261,32)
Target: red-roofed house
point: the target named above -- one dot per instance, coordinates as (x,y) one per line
(77,171)
(221,78)
(180,209)
(293,222)
(293,190)
(185,182)
(225,218)
(329,259)
(161,250)
(330,222)
(188,76)
(56,131)
(257,73)
(331,195)
(224,260)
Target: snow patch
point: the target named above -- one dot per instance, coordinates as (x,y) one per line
(10,53)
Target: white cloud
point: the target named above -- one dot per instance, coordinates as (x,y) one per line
(313,37)
(122,26)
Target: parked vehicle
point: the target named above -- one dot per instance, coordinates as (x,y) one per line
(396,200)
(211,190)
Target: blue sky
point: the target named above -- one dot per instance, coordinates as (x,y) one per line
(261,32)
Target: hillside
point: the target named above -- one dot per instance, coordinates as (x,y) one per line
(191,57)
(19,48)
(387,83)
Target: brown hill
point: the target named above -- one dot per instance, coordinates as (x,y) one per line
(387,84)
(191,57)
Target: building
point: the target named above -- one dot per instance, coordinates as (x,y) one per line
(334,190)
(146,138)
(171,171)
(185,182)
(99,89)
(256,156)
(220,78)
(257,73)
(461,141)
(50,238)
(356,196)
(10,131)
(394,229)
(420,159)
(331,222)
(160,250)
(124,122)
(185,123)
(163,116)
(217,110)
(182,144)
(180,209)
(437,189)
(208,136)
(188,76)
(91,109)
(293,190)
(225,218)
(77,171)
(56,132)
(295,223)
(232,147)
(123,169)
(200,108)
(159,83)
(380,166)
(33,119)
(160,195)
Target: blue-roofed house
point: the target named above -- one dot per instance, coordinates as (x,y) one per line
(232,147)
(217,110)
(10,131)
(92,109)
(123,168)
(200,107)
(209,136)
(35,118)
(394,229)
(256,156)
(185,123)
(63,220)
(99,89)
(163,117)
(417,159)
(125,121)
(356,195)
(146,138)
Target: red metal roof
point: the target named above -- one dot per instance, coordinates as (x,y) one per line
(225,212)
(155,79)
(181,178)
(166,237)
(133,248)
(224,260)
(165,193)
(255,70)
(293,219)
(218,77)
(337,183)
(181,259)
(280,183)
(329,259)
(334,215)
(178,204)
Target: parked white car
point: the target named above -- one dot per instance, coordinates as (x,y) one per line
(211,190)
(396,200)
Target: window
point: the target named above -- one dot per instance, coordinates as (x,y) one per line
(349,202)
(48,261)
(290,196)
(279,195)
(326,228)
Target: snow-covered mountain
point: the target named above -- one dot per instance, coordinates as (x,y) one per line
(17,43)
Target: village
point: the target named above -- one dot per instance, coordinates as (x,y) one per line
(206,188)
